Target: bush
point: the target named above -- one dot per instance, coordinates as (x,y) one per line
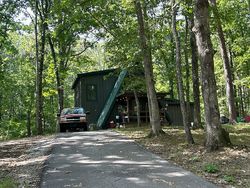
(211,168)
(12,129)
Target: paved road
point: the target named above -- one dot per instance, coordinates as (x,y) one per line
(105,159)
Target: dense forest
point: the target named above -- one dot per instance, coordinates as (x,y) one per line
(197,51)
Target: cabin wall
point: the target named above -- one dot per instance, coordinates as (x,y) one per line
(174,112)
(92,92)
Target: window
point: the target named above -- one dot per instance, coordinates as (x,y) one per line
(91,92)
(72,111)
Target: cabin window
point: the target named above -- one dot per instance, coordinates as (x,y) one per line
(91,92)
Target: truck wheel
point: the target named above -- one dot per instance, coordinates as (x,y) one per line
(85,128)
(62,129)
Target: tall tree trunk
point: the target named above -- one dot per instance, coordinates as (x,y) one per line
(60,83)
(195,76)
(28,125)
(171,83)
(242,109)
(138,110)
(148,69)
(226,65)
(233,77)
(186,123)
(171,75)
(29,110)
(60,89)
(187,73)
(215,136)
(39,75)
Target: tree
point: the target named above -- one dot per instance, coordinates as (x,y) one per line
(214,132)
(234,20)
(42,11)
(8,11)
(226,64)
(148,69)
(191,47)
(187,75)
(195,75)
(186,121)
(67,21)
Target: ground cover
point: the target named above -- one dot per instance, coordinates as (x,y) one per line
(22,161)
(228,167)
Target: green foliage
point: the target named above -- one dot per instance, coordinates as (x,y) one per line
(12,129)
(96,35)
(8,183)
(235,22)
(211,168)
(229,179)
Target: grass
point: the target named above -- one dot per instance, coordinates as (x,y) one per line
(211,168)
(8,183)
(229,179)
(227,166)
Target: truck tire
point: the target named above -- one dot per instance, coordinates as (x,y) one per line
(62,128)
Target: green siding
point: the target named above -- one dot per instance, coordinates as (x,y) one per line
(110,101)
(104,84)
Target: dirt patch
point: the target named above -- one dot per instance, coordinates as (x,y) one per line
(22,160)
(228,167)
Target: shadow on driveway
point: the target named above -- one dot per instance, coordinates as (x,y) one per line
(105,159)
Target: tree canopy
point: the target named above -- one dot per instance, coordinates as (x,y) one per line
(61,38)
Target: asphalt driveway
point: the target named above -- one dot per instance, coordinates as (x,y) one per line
(105,159)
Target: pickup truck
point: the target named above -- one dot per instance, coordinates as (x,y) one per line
(73,118)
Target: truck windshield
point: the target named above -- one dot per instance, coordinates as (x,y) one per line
(73,111)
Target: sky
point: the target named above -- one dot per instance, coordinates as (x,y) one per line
(24,16)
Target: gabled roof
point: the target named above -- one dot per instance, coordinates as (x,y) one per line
(88,74)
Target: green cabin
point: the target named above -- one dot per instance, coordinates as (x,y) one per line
(93,91)
(98,93)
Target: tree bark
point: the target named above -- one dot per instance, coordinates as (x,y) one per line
(187,73)
(186,123)
(226,65)
(214,132)
(39,74)
(29,113)
(195,76)
(60,89)
(171,75)
(28,125)
(148,69)
(242,109)
(138,110)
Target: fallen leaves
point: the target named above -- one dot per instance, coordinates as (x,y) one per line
(233,162)
(22,160)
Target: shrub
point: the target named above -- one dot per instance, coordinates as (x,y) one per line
(211,168)
(12,129)
(229,179)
